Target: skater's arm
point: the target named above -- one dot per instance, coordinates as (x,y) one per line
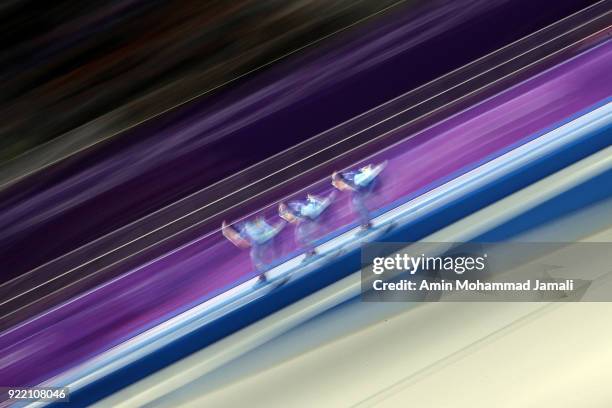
(280,225)
(378,168)
(315,198)
(324,201)
(340,184)
(233,236)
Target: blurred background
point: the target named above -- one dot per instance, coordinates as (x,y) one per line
(130,130)
(106,66)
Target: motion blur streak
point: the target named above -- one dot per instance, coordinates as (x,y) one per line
(118,62)
(71,334)
(114,183)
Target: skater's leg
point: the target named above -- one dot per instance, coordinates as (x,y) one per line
(362,210)
(304,236)
(257,251)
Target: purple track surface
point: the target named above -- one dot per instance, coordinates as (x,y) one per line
(90,324)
